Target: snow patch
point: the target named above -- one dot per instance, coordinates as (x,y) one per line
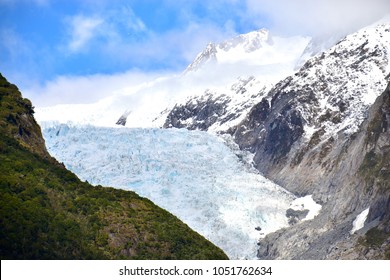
(306,203)
(358,223)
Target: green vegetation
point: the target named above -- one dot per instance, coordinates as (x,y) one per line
(46,212)
(16,119)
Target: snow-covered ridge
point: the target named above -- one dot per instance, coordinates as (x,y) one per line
(239,45)
(192,174)
(250,42)
(344,80)
(259,60)
(218,110)
(254,48)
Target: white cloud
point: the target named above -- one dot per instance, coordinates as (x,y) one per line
(317,18)
(103,28)
(129,19)
(83,89)
(181,44)
(12,42)
(82,30)
(174,48)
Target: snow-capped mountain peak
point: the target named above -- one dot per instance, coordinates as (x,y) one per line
(238,46)
(207,55)
(249,42)
(347,78)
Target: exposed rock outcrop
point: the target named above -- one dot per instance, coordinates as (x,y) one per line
(217,111)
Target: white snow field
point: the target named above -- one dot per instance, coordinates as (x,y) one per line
(308,203)
(192,174)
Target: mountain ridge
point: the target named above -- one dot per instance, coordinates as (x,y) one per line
(249,42)
(361,182)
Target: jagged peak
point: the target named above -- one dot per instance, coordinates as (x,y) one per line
(207,55)
(250,42)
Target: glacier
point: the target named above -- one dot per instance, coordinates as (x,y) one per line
(199,177)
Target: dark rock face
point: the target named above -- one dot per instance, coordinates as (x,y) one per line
(375,168)
(283,132)
(121,121)
(220,111)
(294,216)
(123,118)
(259,113)
(271,131)
(198,114)
(248,133)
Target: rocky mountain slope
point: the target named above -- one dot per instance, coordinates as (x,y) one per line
(48,213)
(359,181)
(255,60)
(304,117)
(216,111)
(310,134)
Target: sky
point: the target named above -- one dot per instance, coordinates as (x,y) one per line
(64,51)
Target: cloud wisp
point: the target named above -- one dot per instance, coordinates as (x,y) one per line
(85,89)
(317,18)
(82,30)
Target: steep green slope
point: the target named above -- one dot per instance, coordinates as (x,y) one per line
(46,212)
